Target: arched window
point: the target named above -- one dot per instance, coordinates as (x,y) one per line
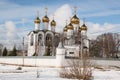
(40,39)
(49,40)
(31,40)
(56,41)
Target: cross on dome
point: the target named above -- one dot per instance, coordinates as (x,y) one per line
(37,13)
(83,20)
(75,8)
(46,9)
(53,16)
(66,22)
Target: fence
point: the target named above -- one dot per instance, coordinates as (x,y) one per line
(52,61)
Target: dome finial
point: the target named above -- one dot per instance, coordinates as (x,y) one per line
(84,27)
(46,9)
(53,23)
(37,13)
(37,20)
(83,20)
(53,16)
(75,8)
(66,22)
(45,18)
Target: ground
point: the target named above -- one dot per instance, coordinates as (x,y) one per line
(9,72)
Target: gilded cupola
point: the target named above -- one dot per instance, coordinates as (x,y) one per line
(84,27)
(75,20)
(45,18)
(65,28)
(37,20)
(53,23)
(70,26)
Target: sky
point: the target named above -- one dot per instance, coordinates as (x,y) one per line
(17,16)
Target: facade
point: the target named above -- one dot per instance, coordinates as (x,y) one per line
(75,38)
(44,42)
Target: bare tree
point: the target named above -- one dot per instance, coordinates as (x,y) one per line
(78,69)
(106,44)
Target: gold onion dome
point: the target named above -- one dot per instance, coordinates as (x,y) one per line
(84,27)
(70,26)
(45,19)
(75,20)
(37,20)
(65,28)
(53,23)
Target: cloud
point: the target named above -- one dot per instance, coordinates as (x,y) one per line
(95,29)
(11,28)
(62,14)
(9,31)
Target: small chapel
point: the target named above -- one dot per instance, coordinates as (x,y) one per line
(44,41)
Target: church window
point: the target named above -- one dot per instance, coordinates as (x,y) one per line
(40,39)
(49,40)
(71,52)
(32,39)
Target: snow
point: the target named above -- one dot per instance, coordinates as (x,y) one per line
(9,72)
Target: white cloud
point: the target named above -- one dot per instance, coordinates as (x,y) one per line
(61,15)
(95,29)
(8,31)
(10,28)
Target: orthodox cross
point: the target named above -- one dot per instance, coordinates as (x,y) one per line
(75,8)
(46,9)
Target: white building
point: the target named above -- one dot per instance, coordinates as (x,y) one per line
(44,42)
(75,38)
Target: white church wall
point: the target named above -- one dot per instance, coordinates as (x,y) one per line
(31,50)
(74,49)
(69,33)
(45,25)
(75,27)
(52,61)
(37,25)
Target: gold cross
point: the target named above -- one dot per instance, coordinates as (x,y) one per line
(46,9)
(83,20)
(66,22)
(37,13)
(75,8)
(53,16)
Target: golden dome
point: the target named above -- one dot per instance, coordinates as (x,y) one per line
(75,20)
(70,26)
(84,27)
(45,19)
(65,28)
(53,23)
(79,29)
(37,20)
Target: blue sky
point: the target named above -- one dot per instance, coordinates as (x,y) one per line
(17,16)
(99,11)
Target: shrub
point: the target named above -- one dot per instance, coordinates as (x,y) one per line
(79,69)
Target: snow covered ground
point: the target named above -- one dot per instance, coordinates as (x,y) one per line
(8,72)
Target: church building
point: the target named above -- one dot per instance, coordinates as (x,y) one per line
(75,37)
(43,42)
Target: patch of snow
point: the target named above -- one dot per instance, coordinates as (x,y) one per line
(8,72)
